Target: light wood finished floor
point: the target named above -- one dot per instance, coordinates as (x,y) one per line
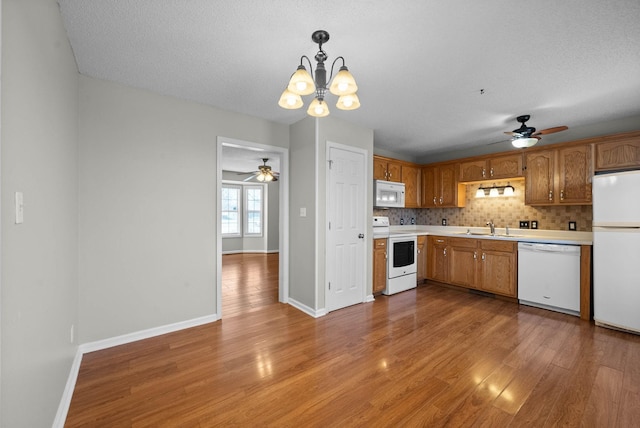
(431,357)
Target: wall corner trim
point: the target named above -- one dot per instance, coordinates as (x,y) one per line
(316,313)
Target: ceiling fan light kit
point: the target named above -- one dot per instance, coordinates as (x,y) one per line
(526,136)
(264,174)
(302,83)
(523,142)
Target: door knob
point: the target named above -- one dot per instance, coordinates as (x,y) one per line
(361,235)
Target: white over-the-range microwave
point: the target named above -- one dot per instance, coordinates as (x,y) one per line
(388,194)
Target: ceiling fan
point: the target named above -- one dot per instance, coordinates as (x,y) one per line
(526,136)
(264,173)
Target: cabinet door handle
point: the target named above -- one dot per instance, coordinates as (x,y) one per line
(385,255)
(491,172)
(444,252)
(551,195)
(484,173)
(475,255)
(483,256)
(440,240)
(440,200)
(434,200)
(562,195)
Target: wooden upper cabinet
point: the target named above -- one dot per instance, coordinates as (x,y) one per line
(449,186)
(429,191)
(617,155)
(539,176)
(411,178)
(386,169)
(473,170)
(498,167)
(574,175)
(508,166)
(559,177)
(440,187)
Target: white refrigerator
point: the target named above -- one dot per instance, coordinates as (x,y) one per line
(616,250)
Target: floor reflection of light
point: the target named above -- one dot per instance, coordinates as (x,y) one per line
(263,364)
(494,389)
(507,395)
(384,364)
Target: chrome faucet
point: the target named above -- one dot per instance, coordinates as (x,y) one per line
(492,227)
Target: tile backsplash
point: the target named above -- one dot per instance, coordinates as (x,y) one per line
(503,210)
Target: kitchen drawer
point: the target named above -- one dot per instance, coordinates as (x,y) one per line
(463,242)
(379,243)
(494,245)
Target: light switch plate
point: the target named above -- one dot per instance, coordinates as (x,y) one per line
(303,212)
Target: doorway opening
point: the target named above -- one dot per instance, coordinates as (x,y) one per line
(249,280)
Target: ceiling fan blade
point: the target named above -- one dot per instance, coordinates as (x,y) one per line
(550,130)
(250,177)
(513,134)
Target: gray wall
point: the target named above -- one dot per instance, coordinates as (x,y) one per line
(308,141)
(302,230)
(148,201)
(39,143)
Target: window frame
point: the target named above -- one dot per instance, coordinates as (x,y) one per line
(243,211)
(246,211)
(239,210)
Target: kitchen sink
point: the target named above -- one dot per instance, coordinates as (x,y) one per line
(497,235)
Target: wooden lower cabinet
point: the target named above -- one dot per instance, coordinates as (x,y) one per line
(482,264)
(498,266)
(437,262)
(422,258)
(463,254)
(379,265)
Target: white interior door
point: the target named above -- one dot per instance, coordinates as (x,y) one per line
(346,263)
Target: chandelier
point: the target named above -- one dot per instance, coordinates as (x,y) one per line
(301,83)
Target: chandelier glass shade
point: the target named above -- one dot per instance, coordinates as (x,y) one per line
(303,83)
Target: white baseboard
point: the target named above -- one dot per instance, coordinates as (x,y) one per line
(306,309)
(145,334)
(250,252)
(65,401)
(369,298)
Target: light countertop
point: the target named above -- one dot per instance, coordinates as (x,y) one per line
(521,235)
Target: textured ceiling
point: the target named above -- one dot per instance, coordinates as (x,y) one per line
(420,65)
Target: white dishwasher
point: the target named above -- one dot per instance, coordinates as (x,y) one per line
(549,276)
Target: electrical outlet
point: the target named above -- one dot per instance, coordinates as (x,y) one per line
(401,221)
(534,224)
(444,221)
(524,224)
(413,220)
(572,225)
